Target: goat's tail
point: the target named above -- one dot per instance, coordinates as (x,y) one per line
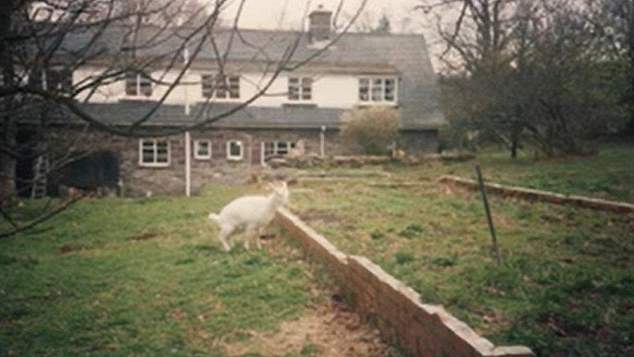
(214,217)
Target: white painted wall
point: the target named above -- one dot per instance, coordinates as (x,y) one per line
(329,91)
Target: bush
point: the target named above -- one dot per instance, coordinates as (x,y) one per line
(373,129)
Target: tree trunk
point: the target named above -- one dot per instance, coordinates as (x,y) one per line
(8,125)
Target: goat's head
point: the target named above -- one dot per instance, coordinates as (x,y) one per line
(280,190)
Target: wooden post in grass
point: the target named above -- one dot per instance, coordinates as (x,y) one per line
(489,218)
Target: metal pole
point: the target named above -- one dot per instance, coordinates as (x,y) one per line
(188,164)
(489,218)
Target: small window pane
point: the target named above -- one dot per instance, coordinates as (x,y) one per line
(282,147)
(145,85)
(235,150)
(234,87)
(390,86)
(364,90)
(131,84)
(207,82)
(221,86)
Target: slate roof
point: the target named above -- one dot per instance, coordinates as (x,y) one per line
(355,53)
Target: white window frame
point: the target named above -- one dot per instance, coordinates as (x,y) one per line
(300,89)
(139,94)
(214,90)
(371,85)
(276,147)
(197,156)
(155,162)
(43,80)
(235,157)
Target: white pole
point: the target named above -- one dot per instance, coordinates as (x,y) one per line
(185,85)
(188,164)
(263,154)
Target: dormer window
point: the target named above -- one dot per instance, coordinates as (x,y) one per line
(220,86)
(137,84)
(377,90)
(55,79)
(300,89)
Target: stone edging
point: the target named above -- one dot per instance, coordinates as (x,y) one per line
(545,196)
(420,329)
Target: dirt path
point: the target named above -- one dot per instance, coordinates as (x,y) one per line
(329,329)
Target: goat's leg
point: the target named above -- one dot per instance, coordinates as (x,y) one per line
(258,237)
(225,232)
(251,233)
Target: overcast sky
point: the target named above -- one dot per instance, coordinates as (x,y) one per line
(276,14)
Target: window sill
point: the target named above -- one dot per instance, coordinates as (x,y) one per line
(235,159)
(154,166)
(376,104)
(202,158)
(220,100)
(136,99)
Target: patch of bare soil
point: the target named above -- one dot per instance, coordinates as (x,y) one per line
(144,236)
(329,329)
(313,215)
(69,248)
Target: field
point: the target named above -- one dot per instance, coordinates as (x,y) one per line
(567,282)
(148,277)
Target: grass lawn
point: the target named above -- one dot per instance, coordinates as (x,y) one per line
(147,277)
(608,175)
(567,282)
(142,277)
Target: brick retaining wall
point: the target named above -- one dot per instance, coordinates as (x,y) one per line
(420,329)
(545,196)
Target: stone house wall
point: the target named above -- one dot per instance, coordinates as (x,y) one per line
(140,180)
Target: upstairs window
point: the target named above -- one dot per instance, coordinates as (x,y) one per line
(154,152)
(55,79)
(220,86)
(137,84)
(377,90)
(300,89)
(202,149)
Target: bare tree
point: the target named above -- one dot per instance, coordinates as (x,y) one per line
(528,72)
(613,22)
(42,42)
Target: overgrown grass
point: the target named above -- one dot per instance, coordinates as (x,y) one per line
(609,175)
(140,277)
(567,282)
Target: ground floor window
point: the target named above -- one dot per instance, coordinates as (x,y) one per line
(235,150)
(154,152)
(281,147)
(202,149)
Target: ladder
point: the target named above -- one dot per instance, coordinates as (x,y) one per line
(39,177)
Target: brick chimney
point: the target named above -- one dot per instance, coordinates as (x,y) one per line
(319,25)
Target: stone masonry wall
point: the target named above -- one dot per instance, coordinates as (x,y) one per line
(544,196)
(420,329)
(139,180)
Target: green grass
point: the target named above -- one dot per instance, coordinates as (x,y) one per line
(141,277)
(567,282)
(608,175)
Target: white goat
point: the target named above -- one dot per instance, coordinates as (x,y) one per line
(251,214)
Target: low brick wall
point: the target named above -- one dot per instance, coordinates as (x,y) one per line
(537,195)
(421,330)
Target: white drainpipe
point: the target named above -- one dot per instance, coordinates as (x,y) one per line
(262,154)
(188,164)
(186,94)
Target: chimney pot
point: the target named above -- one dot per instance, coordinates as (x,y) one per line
(320,25)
